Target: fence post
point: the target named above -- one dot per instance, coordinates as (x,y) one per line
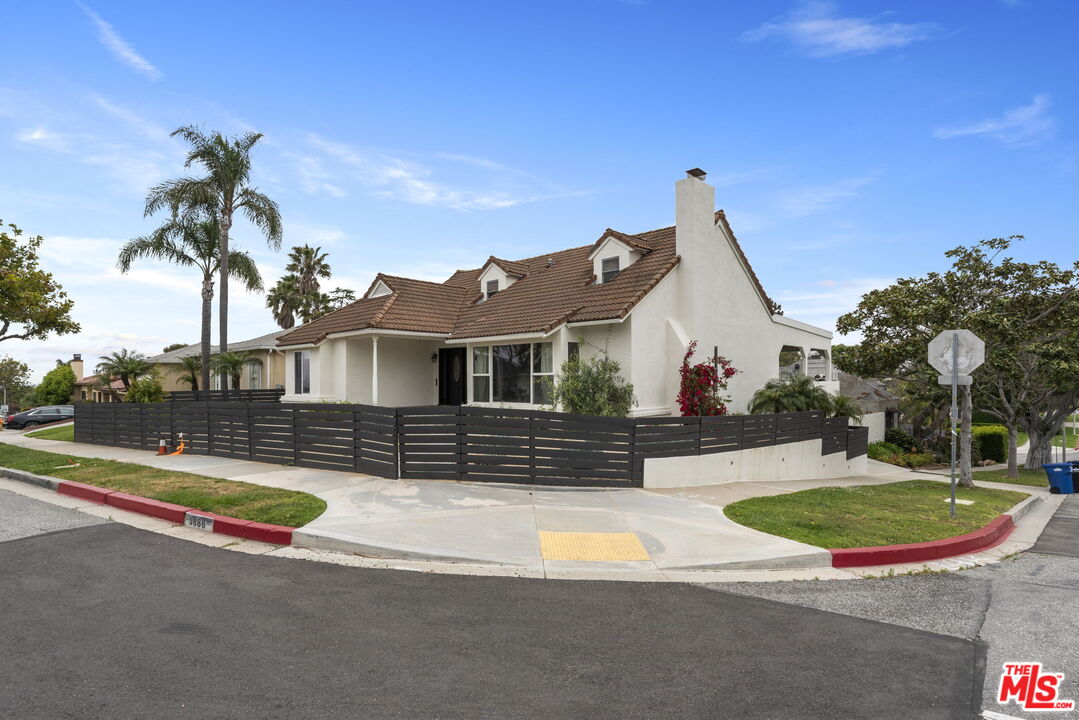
(396,443)
(460,443)
(209,433)
(700,431)
(633,457)
(532,446)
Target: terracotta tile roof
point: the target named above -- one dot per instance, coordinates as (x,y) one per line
(629,240)
(552,289)
(93,380)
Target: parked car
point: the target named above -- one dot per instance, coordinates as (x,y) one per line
(39,416)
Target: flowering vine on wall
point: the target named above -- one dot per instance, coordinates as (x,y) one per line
(703,384)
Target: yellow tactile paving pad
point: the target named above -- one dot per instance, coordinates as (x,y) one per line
(591,546)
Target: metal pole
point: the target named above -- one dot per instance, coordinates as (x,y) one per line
(955,408)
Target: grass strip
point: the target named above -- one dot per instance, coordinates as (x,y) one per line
(64,432)
(1034,478)
(290,508)
(872,515)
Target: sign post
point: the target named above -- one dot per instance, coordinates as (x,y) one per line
(955,354)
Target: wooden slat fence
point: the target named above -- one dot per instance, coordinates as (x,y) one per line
(451,443)
(270,395)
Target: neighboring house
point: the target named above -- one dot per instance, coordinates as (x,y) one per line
(491,335)
(879,405)
(88,388)
(264,368)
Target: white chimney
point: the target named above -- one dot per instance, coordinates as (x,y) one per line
(697,243)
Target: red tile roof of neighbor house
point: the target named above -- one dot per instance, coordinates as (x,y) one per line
(93,380)
(552,289)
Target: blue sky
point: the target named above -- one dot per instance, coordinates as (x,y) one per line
(850,142)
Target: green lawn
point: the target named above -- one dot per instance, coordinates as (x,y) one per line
(64,432)
(226,497)
(1037,478)
(869,515)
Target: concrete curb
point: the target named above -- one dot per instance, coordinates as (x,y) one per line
(981,539)
(179,514)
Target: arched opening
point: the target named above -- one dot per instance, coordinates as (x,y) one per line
(818,366)
(792,360)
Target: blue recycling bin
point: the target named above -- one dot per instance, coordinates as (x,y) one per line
(1060,478)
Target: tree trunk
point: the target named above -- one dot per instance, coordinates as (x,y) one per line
(223,288)
(1013,460)
(966,478)
(1040,449)
(207,306)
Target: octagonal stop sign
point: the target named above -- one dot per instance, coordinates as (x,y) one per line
(970,356)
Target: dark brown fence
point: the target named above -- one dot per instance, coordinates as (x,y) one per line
(270,395)
(452,443)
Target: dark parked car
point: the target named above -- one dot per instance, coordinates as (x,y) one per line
(39,416)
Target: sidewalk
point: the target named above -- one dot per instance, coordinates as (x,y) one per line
(615,533)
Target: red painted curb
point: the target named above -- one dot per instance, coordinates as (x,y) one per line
(86,492)
(980,539)
(146,506)
(263,532)
(223,524)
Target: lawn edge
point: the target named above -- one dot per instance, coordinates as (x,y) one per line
(984,538)
(178,514)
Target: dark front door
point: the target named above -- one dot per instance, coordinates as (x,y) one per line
(451,376)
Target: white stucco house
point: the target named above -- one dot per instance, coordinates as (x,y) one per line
(488,336)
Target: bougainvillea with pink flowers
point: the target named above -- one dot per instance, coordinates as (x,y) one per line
(703,384)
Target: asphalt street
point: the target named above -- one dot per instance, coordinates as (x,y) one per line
(107,621)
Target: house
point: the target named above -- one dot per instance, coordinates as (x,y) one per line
(879,405)
(491,335)
(264,367)
(89,389)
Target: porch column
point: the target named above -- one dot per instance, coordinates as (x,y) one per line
(374,369)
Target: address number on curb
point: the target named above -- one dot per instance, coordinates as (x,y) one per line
(200,522)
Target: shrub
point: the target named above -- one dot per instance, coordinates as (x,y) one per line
(592,386)
(885,451)
(703,383)
(56,386)
(991,442)
(146,389)
(903,439)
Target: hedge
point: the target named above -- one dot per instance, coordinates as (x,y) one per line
(991,442)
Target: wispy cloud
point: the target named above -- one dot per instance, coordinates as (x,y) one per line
(805,200)
(1023,125)
(827,299)
(120,48)
(136,168)
(816,29)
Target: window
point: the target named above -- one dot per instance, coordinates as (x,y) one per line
(254,374)
(610,269)
(301,368)
(574,351)
(542,373)
(481,374)
(492,288)
(511,376)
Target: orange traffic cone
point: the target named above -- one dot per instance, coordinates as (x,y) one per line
(161,449)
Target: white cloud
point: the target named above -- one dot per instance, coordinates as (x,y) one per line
(136,168)
(806,200)
(827,299)
(313,177)
(147,128)
(816,29)
(1023,125)
(120,48)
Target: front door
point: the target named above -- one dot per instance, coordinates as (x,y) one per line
(451,376)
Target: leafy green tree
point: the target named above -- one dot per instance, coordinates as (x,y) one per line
(146,389)
(56,387)
(125,366)
(1019,309)
(592,386)
(316,305)
(14,380)
(32,303)
(223,192)
(189,240)
(230,364)
(174,346)
(191,371)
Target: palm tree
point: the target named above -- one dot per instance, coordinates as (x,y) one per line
(843,405)
(790,393)
(223,192)
(230,364)
(191,366)
(308,264)
(123,365)
(104,383)
(191,241)
(285,301)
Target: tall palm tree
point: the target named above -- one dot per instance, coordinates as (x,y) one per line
(124,365)
(230,364)
(223,192)
(285,301)
(191,367)
(191,241)
(308,264)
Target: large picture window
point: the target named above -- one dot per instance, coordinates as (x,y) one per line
(301,366)
(512,373)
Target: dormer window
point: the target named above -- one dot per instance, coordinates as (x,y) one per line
(610,269)
(492,288)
